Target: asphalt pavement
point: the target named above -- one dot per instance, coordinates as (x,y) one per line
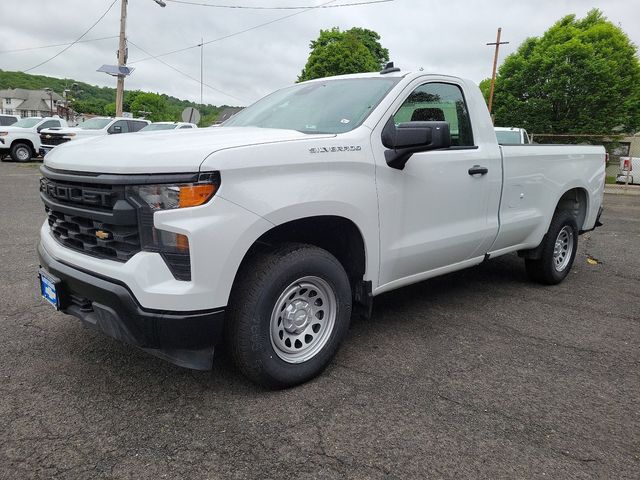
(479,374)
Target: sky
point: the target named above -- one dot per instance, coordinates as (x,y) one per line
(445,37)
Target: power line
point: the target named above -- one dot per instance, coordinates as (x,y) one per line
(235,33)
(248,7)
(75,41)
(56,45)
(185,74)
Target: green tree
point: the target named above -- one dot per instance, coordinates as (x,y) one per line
(337,53)
(485,87)
(581,76)
(150,105)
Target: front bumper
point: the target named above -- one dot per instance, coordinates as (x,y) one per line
(187,339)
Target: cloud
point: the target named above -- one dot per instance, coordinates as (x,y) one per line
(444,37)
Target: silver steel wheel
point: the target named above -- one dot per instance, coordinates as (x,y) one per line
(23,154)
(303,319)
(563,248)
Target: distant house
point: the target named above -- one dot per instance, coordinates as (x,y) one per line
(29,103)
(227,113)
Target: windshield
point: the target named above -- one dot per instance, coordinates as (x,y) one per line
(94,124)
(158,126)
(331,106)
(27,122)
(509,137)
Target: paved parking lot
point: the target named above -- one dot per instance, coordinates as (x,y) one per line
(478,374)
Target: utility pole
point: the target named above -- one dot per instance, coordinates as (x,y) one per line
(201,67)
(122,53)
(50,93)
(495,65)
(122,57)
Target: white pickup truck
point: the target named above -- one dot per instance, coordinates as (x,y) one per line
(21,140)
(269,232)
(94,127)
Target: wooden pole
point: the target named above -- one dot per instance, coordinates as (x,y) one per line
(495,66)
(122,58)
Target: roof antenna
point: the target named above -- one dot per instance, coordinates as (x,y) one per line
(389,68)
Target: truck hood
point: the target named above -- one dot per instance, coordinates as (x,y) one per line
(12,129)
(77,130)
(171,151)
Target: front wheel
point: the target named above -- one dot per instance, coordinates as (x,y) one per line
(21,152)
(559,248)
(289,311)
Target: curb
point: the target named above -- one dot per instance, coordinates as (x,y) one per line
(622,190)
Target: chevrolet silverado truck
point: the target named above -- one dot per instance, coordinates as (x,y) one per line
(22,139)
(267,234)
(94,127)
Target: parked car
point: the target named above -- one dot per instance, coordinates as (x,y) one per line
(294,214)
(156,126)
(628,167)
(94,127)
(512,136)
(22,139)
(6,120)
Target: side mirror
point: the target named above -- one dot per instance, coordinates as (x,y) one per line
(405,139)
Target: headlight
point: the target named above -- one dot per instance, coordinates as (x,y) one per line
(69,134)
(168,197)
(174,247)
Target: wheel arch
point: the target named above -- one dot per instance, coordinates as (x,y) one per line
(26,141)
(339,235)
(575,200)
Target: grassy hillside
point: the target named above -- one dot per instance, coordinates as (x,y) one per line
(100,100)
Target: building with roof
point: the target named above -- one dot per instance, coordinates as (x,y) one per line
(29,103)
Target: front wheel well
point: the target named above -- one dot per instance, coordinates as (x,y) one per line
(25,141)
(337,235)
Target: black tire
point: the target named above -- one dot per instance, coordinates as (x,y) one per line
(543,270)
(259,286)
(21,152)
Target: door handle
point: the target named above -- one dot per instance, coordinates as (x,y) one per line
(478,170)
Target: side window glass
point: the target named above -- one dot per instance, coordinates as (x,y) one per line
(48,124)
(185,126)
(135,126)
(119,127)
(439,102)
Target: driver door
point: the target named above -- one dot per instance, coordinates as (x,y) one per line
(435,215)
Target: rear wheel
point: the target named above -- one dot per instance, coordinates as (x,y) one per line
(21,152)
(289,312)
(559,248)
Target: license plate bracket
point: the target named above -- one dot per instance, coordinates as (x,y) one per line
(50,288)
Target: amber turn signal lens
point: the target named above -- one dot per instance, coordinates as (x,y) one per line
(194,195)
(182,243)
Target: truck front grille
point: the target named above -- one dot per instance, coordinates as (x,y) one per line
(53,139)
(92,218)
(117,242)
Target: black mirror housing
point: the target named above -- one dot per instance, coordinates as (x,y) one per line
(405,139)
